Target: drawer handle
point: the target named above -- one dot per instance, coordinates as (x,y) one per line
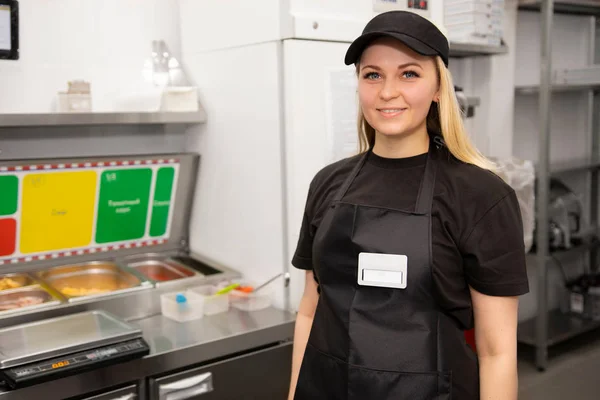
(130,396)
(186,388)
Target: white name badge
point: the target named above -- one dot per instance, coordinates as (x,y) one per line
(382,270)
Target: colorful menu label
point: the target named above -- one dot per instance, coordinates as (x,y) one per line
(9,189)
(50,209)
(162,201)
(123,203)
(8,236)
(9,198)
(57,210)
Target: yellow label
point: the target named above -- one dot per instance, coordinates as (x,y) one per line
(57,211)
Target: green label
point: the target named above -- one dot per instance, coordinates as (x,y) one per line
(123,205)
(9,194)
(162,201)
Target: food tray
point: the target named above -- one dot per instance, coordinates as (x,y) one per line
(91,280)
(161,273)
(15,281)
(192,263)
(137,258)
(26,299)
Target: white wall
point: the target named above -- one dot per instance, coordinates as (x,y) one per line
(238,205)
(217,24)
(104,42)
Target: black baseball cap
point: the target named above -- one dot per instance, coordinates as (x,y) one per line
(414,31)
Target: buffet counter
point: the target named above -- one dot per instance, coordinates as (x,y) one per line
(233,355)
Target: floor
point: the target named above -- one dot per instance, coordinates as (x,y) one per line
(573,372)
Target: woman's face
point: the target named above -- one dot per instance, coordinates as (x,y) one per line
(396,87)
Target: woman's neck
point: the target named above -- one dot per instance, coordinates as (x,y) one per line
(402,146)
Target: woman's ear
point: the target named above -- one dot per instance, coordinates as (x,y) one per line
(436,97)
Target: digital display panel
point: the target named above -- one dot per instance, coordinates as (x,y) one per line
(9,29)
(5,42)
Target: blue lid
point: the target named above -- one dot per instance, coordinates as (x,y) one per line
(180,298)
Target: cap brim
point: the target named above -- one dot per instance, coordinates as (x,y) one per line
(357,47)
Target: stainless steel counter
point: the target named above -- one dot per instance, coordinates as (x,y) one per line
(175,347)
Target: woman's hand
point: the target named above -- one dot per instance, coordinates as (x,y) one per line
(496,337)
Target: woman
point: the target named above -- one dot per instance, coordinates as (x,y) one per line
(409,243)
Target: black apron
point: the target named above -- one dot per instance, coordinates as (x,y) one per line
(377,343)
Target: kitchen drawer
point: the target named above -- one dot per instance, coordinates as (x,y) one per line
(126,393)
(264,374)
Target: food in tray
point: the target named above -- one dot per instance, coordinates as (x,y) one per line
(76,292)
(244,289)
(162,272)
(20,302)
(8,283)
(93,278)
(160,277)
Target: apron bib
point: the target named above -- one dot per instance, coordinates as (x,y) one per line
(379,342)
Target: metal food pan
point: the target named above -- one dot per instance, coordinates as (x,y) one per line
(161,272)
(93,279)
(192,263)
(15,281)
(144,257)
(26,299)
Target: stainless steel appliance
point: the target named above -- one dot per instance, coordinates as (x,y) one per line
(233,355)
(57,347)
(566,216)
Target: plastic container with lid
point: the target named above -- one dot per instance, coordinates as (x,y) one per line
(213,303)
(182,306)
(251,301)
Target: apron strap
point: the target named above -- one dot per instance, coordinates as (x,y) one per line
(425,197)
(346,185)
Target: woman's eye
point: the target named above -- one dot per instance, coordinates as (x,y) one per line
(371,75)
(410,74)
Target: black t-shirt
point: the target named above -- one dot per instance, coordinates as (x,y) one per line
(477,231)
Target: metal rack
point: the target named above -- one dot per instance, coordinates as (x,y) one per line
(551,327)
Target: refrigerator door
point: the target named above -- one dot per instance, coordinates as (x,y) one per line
(320,110)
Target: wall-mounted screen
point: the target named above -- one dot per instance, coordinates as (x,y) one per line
(9,29)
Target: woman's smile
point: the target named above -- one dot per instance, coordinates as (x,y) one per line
(391,112)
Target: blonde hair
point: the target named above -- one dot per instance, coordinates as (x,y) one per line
(444,118)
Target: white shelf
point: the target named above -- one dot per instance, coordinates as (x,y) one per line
(460,50)
(579,7)
(88,119)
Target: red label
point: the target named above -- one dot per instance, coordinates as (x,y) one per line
(8,236)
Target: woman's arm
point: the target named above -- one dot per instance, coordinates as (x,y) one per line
(496,338)
(304,320)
